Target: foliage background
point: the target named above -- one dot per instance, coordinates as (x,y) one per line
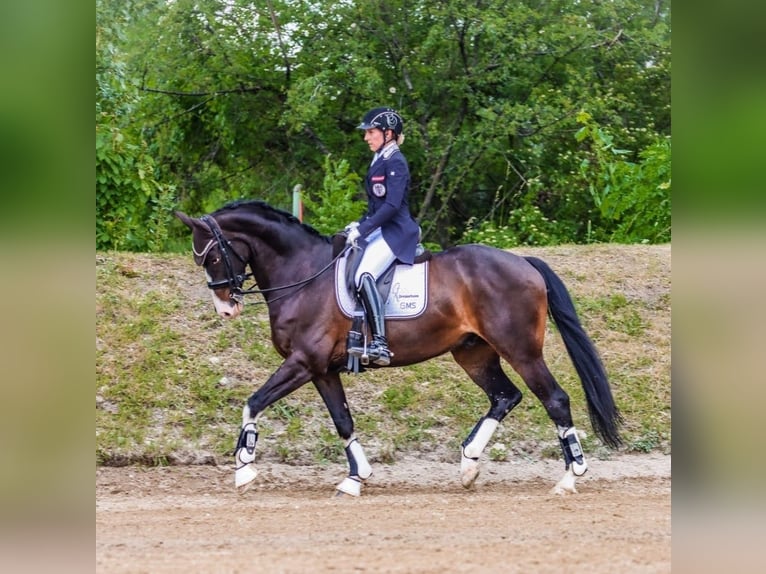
(530,122)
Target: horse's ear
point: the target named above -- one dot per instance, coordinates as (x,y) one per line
(188,221)
(201,241)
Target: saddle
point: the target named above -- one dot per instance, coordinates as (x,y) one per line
(349,265)
(402,288)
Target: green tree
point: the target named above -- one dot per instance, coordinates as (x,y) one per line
(213,77)
(491,93)
(242,99)
(633,198)
(336,203)
(133,206)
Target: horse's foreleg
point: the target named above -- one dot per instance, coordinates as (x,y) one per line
(359,469)
(244,453)
(331,391)
(289,376)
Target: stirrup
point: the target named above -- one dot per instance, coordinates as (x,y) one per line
(355,343)
(379,351)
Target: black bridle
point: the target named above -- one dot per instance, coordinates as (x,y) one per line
(235,281)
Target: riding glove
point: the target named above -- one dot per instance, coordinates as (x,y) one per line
(350,226)
(352,236)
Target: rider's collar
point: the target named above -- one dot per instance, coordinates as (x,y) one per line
(388,150)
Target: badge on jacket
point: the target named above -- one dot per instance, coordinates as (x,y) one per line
(378,189)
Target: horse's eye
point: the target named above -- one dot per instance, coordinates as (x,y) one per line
(215,261)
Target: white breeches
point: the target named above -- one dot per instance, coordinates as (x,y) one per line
(377,257)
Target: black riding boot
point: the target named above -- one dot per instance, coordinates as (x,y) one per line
(373,305)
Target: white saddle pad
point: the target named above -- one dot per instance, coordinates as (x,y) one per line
(408,297)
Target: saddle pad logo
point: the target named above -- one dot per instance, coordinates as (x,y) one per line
(407,299)
(378,189)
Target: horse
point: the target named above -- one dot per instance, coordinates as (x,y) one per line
(484,304)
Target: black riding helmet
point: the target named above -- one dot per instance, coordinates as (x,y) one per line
(384,119)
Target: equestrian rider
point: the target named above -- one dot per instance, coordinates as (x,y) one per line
(387,231)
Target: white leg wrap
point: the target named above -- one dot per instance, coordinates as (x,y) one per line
(480,440)
(470,453)
(364,470)
(245,471)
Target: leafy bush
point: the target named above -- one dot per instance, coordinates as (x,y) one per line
(133,209)
(525,226)
(334,206)
(633,198)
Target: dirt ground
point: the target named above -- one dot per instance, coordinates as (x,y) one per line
(413,516)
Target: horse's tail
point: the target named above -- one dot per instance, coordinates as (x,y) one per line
(604,415)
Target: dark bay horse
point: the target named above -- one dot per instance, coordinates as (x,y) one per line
(484,304)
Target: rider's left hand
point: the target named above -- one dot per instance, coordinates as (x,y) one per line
(353,235)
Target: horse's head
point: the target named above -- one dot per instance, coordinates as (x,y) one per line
(224,261)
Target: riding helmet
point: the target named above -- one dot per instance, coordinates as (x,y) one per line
(384,119)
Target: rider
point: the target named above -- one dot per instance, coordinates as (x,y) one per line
(387,231)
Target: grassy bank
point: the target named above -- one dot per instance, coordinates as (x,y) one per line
(171,377)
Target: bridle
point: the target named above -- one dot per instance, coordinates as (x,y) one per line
(235,281)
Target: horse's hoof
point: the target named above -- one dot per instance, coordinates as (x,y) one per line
(563,491)
(565,486)
(469,471)
(350,486)
(244,477)
(244,489)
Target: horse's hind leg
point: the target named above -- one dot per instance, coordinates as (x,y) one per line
(482,364)
(542,383)
(331,390)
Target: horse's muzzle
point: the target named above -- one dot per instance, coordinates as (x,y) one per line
(230,307)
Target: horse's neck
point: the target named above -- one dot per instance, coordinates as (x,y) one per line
(289,265)
(283,252)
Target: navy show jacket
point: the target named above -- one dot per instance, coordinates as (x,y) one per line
(387,184)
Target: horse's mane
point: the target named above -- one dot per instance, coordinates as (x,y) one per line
(266,211)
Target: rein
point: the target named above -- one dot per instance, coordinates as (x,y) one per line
(296,284)
(235,282)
